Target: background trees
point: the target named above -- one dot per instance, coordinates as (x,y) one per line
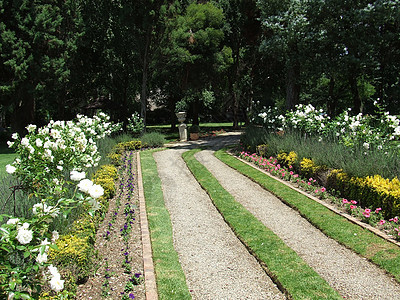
(217,57)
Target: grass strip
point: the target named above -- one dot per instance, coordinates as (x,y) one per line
(362,241)
(289,271)
(171,281)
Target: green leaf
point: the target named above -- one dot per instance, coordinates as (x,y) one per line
(26,254)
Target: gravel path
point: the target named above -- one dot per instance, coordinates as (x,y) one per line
(216,264)
(354,277)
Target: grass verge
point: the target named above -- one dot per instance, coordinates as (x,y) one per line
(381,252)
(171,281)
(295,277)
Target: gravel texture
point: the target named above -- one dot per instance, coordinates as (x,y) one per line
(216,264)
(352,276)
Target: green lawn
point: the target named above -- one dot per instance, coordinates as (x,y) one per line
(7,156)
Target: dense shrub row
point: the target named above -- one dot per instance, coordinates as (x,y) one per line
(370,191)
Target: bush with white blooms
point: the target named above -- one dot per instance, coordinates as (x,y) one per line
(48,160)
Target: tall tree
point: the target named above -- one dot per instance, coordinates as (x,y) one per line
(37,41)
(243,30)
(197,49)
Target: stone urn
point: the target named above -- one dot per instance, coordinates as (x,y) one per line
(181,116)
(182,127)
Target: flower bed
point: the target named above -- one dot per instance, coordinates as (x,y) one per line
(50,161)
(305,178)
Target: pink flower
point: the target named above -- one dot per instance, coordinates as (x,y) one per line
(353,202)
(396,229)
(310,179)
(296,175)
(316,191)
(352,206)
(323,189)
(381,222)
(309,183)
(291,173)
(395,219)
(367,215)
(367,211)
(290,167)
(378,210)
(344,201)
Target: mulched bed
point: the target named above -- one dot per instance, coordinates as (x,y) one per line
(118,242)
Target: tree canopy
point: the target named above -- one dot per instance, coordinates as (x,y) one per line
(217,59)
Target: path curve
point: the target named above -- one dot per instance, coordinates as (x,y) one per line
(216,264)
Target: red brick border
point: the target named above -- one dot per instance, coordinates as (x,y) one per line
(148,266)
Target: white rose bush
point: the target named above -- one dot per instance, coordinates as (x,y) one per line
(50,164)
(368,132)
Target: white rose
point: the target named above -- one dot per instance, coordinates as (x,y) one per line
(53,271)
(85,185)
(96,191)
(10,169)
(41,258)
(55,236)
(60,168)
(15,136)
(56,283)
(10,144)
(31,127)
(13,221)
(24,236)
(77,176)
(39,142)
(25,142)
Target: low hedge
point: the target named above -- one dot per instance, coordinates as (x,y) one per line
(76,256)
(120,148)
(370,191)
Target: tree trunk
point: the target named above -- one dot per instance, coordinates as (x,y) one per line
(235,92)
(143,94)
(355,93)
(332,100)
(24,113)
(292,86)
(195,111)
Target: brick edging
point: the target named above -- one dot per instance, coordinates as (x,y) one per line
(148,266)
(329,206)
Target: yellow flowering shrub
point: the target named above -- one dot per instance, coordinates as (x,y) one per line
(106,177)
(287,159)
(308,167)
(371,191)
(115,158)
(76,255)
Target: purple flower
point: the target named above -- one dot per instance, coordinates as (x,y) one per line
(131,296)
